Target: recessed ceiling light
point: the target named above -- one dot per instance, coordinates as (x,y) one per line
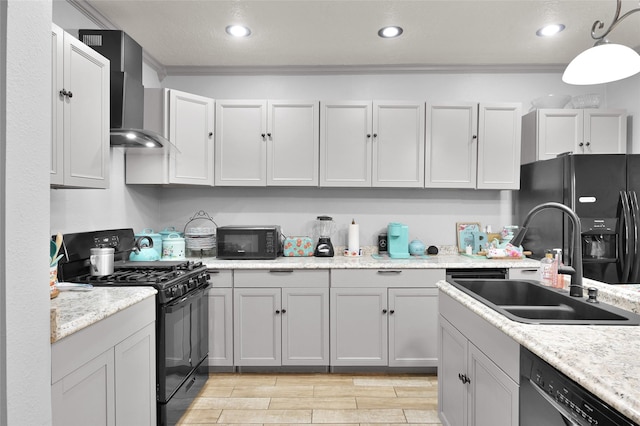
(238,31)
(390,32)
(549,30)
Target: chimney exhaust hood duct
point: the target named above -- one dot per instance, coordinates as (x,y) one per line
(127,91)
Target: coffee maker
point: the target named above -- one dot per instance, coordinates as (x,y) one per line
(398,240)
(324,227)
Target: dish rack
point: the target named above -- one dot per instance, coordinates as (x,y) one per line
(200,240)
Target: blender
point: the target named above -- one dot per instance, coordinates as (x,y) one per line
(324,227)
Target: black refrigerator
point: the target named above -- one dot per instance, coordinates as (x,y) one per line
(602,189)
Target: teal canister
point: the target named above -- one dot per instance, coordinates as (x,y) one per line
(155,237)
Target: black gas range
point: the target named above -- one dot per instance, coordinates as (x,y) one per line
(173,279)
(182,309)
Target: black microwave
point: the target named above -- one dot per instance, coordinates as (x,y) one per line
(249,242)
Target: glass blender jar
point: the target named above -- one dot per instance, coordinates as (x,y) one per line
(324,227)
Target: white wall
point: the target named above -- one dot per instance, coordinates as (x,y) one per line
(626,94)
(24,197)
(431,215)
(431,87)
(120,206)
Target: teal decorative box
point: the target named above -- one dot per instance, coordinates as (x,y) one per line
(298,246)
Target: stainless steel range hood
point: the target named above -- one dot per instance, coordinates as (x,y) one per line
(127,91)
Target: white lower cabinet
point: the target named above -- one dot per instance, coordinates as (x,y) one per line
(283,325)
(384,317)
(359,326)
(220,318)
(105,374)
(478,370)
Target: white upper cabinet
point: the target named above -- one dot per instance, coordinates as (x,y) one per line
(372,144)
(185,119)
(293,143)
(80,114)
(452,141)
(345,143)
(499,145)
(241,143)
(398,144)
(260,143)
(549,132)
(472,145)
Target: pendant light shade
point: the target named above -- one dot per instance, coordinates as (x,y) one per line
(602,63)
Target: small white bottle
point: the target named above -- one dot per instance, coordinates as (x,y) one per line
(548,270)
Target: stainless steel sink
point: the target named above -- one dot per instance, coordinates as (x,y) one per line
(530,302)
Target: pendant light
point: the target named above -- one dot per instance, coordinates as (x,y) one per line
(604,62)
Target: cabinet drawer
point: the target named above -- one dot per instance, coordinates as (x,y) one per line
(281,278)
(386,277)
(220,278)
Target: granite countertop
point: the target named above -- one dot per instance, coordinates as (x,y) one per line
(367,261)
(603,359)
(72,311)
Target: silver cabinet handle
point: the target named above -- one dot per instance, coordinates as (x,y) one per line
(389,271)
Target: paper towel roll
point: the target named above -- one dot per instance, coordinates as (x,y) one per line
(354,237)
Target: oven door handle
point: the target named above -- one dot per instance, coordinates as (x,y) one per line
(559,408)
(176,304)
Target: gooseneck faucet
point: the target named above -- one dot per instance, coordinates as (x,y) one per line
(575,288)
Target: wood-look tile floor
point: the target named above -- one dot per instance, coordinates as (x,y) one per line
(329,399)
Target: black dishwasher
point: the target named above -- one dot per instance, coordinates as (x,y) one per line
(472,273)
(549,398)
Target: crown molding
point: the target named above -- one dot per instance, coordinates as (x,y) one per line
(362,69)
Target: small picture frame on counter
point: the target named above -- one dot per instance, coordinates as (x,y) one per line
(465,234)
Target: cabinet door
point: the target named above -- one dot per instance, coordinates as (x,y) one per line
(257,326)
(191,131)
(452,362)
(305,326)
(359,326)
(86,395)
(135,378)
(451,150)
(605,132)
(499,135)
(57,106)
(345,143)
(398,144)
(241,143)
(413,327)
(493,395)
(293,143)
(559,130)
(220,327)
(86,116)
